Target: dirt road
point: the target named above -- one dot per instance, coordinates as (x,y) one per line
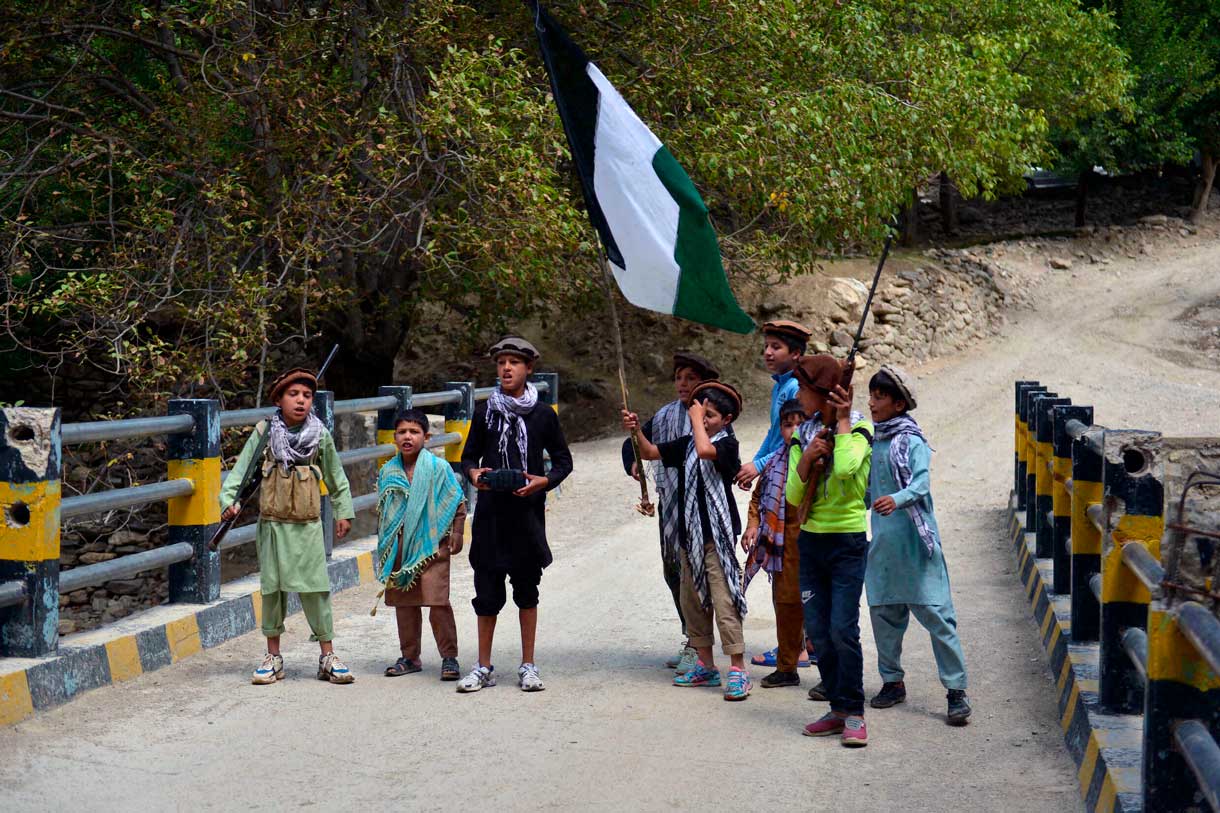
(610,732)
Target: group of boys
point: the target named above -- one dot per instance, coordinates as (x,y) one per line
(515,452)
(813,483)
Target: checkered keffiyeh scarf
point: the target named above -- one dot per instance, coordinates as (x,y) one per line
(899,432)
(721,520)
(294,448)
(768,551)
(671,422)
(505,417)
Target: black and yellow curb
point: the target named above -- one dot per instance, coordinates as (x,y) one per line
(1107,748)
(153,639)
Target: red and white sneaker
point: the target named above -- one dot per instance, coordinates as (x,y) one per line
(827,725)
(855,735)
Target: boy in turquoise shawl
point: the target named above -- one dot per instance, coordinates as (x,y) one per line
(421,519)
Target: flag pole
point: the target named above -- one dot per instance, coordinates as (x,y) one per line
(646,506)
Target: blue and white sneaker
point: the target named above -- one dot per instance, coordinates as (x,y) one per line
(479,677)
(331,669)
(528,678)
(739,685)
(271,670)
(700,675)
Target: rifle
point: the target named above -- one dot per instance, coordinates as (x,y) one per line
(849,368)
(253,477)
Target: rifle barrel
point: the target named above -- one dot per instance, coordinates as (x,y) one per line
(325,364)
(872,291)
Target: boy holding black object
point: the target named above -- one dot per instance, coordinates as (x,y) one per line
(711,574)
(906,572)
(510,431)
(671,422)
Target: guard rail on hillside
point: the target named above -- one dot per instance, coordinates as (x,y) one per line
(1095,500)
(30,461)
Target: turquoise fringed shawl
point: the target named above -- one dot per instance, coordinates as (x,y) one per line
(421,510)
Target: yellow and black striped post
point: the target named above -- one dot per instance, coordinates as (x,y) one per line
(1031,456)
(1044,481)
(385,417)
(458,416)
(1018,443)
(1134,497)
(29,532)
(1023,441)
(324,408)
(551,396)
(195,456)
(1061,498)
(1087,491)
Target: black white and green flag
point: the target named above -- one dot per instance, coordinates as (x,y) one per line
(652,222)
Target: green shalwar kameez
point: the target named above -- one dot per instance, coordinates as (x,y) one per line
(292,555)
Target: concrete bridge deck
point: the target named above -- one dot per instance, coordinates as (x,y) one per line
(610,731)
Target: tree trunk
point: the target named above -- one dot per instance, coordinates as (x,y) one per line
(1082,195)
(910,220)
(1203,187)
(948,205)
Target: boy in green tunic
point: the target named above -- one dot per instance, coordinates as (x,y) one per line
(298,460)
(906,573)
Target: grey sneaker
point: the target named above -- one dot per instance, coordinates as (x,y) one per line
(271,670)
(528,678)
(673,662)
(479,677)
(690,657)
(333,670)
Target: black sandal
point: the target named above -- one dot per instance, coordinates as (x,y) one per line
(403,666)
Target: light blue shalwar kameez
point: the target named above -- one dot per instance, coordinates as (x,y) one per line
(902,580)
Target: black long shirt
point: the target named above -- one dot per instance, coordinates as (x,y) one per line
(508,531)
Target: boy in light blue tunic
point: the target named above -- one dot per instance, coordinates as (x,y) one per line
(906,573)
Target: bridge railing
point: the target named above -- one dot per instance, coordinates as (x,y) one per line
(1146,591)
(31,442)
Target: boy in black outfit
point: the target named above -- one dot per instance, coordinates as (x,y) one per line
(511,430)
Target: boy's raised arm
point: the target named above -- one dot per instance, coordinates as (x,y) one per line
(704,448)
(648,449)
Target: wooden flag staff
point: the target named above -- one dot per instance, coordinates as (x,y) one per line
(645,507)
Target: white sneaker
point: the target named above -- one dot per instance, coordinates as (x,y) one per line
(528,678)
(271,670)
(479,677)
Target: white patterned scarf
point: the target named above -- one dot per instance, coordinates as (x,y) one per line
(294,448)
(899,431)
(721,521)
(671,422)
(505,417)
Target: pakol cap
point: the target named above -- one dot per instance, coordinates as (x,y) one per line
(516,346)
(727,389)
(788,330)
(901,381)
(822,373)
(297,375)
(704,368)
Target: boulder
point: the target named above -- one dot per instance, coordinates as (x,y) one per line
(1060,263)
(125,587)
(93,558)
(1154,220)
(840,338)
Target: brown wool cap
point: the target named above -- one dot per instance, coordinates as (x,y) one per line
(297,375)
(704,368)
(902,382)
(516,346)
(727,389)
(788,329)
(821,372)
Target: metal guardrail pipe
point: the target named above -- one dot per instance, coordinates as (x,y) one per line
(443,439)
(1144,565)
(364,502)
(125,497)
(94,431)
(12,593)
(1202,629)
(124,566)
(427,399)
(365,404)
(244,417)
(1095,585)
(353,456)
(1197,746)
(1097,516)
(1135,644)
(1076,429)
(239,536)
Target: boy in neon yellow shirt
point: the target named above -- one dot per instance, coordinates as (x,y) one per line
(833,542)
